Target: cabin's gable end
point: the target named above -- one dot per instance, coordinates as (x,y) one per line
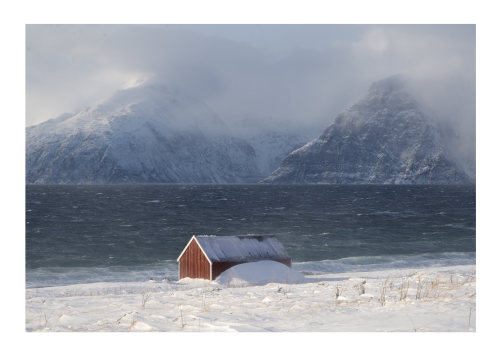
(194,263)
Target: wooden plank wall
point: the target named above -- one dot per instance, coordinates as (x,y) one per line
(219,267)
(193,263)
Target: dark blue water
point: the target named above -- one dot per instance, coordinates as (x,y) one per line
(134,232)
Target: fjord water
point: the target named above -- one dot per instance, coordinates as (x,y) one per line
(80,234)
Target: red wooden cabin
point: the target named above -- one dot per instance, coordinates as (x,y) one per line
(207,257)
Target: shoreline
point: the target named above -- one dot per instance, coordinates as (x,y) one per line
(168,270)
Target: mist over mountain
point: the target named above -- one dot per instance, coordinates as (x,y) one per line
(384,138)
(153,134)
(270,87)
(146,134)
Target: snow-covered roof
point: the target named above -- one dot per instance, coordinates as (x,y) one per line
(241,248)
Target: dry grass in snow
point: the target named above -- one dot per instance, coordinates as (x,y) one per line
(431,299)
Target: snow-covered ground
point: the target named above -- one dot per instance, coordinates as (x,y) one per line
(426,299)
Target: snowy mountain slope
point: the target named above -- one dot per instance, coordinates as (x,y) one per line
(382,139)
(145,134)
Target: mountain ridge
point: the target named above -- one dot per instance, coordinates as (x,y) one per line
(382,139)
(141,135)
(151,134)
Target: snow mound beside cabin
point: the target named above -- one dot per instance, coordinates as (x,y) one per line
(259,273)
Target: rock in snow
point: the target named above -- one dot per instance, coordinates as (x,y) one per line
(383,139)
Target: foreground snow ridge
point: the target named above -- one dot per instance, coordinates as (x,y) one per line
(426,299)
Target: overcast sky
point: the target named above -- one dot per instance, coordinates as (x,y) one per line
(292,74)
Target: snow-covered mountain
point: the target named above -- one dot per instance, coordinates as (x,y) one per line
(383,139)
(145,134)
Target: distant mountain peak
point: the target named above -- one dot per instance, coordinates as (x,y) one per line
(149,133)
(383,139)
(143,134)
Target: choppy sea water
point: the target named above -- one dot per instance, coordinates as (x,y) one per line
(81,234)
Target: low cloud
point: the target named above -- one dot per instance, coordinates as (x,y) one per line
(310,75)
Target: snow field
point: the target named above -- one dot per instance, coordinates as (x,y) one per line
(428,299)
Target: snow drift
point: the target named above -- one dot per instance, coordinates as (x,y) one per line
(259,273)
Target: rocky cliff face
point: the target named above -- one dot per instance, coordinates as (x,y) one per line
(146,134)
(382,139)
